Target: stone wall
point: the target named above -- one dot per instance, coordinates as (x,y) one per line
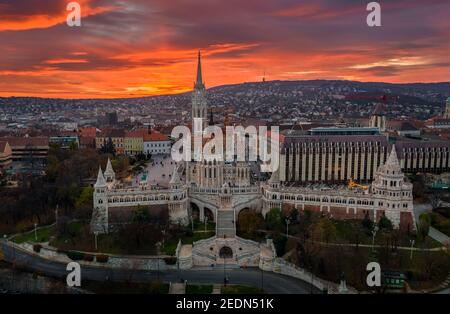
(283,267)
(114,261)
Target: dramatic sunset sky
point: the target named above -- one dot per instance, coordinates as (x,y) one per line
(128,48)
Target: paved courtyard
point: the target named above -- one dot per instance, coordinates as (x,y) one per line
(159,171)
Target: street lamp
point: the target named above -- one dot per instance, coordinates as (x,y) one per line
(178,267)
(412,246)
(288,221)
(56,215)
(35,232)
(96,243)
(374,232)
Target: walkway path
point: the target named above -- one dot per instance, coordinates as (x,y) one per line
(433,233)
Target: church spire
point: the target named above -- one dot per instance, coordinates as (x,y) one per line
(199,80)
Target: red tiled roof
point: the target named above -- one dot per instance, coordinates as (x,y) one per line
(26,141)
(87,131)
(136,133)
(155,137)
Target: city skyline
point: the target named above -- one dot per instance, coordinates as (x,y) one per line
(140,48)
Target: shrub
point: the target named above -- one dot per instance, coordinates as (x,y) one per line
(170,260)
(101,258)
(37,248)
(367,223)
(385,223)
(88,257)
(75,256)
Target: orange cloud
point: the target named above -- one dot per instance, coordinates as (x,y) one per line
(149,47)
(17,22)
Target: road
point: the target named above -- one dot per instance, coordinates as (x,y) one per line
(271,282)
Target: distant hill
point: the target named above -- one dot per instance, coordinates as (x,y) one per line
(440,89)
(314,99)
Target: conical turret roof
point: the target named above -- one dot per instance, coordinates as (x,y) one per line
(392,162)
(101,182)
(109,171)
(275,177)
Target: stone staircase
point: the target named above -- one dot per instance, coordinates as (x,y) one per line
(225,224)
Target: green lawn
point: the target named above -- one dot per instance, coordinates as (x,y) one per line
(43,235)
(345,233)
(239,289)
(199,289)
(79,238)
(200,226)
(73,228)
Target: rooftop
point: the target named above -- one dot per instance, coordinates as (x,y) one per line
(26,141)
(344,131)
(155,137)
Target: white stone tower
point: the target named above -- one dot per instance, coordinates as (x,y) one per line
(275,185)
(99,222)
(178,204)
(392,192)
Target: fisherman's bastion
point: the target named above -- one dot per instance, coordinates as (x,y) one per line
(220,190)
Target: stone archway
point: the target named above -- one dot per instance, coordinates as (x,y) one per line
(195,211)
(226,252)
(209,213)
(243,211)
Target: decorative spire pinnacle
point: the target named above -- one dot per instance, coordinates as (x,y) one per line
(199,80)
(392,165)
(392,161)
(101,182)
(109,169)
(175,176)
(275,177)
